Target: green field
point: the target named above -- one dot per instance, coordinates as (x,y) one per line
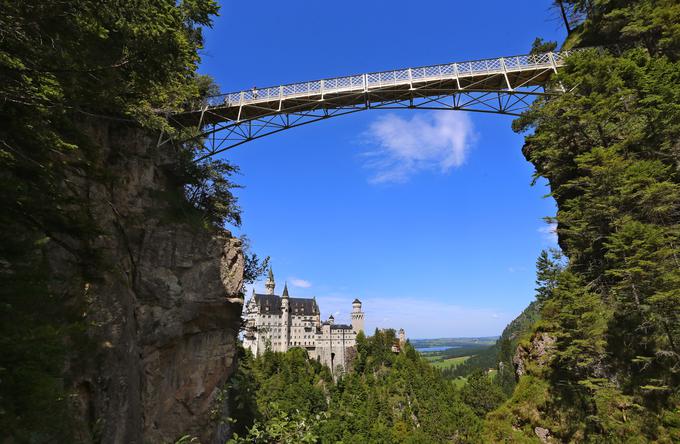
(459,382)
(450,362)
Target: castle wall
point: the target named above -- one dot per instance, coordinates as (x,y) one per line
(283,330)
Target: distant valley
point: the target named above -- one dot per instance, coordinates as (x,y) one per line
(424,345)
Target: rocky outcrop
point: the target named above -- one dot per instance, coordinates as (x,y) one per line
(163,301)
(537,352)
(543,434)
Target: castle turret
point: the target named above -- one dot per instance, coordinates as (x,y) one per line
(317,314)
(357,316)
(402,338)
(270,284)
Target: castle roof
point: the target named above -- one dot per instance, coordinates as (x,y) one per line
(356,301)
(341,327)
(298,306)
(337,326)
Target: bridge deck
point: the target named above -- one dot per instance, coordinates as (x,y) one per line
(501,74)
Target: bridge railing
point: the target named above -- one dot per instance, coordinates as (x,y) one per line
(385,78)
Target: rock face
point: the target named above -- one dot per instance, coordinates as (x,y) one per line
(537,352)
(164,301)
(543,434)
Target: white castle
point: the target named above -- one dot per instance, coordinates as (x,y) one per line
(279,323)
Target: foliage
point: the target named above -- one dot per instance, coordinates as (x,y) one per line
(253,267)
(282,428)
(384,398)
(206,190)
(549,266)
(70,69)
(481,394)
(187,439)
(540,46)
(505,378)
(515,420)
(32,352)
(609,149)
(652,23)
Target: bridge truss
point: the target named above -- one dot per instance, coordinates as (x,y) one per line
(504,85)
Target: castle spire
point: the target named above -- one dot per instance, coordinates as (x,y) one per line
(270,284)
(285,290)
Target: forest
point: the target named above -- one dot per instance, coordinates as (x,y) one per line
(610,307)
(385,397)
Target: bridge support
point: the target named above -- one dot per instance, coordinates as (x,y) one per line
(225,134)
(506,85)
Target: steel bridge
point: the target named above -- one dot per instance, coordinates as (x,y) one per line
(503,85)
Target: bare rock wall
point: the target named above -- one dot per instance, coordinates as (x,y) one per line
(163,300)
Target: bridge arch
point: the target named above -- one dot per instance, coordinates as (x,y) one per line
(502,85)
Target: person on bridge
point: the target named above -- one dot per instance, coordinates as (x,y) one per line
(254,92)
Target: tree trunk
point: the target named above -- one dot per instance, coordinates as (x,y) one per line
(565,19)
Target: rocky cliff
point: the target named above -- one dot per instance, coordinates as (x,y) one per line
(163,301)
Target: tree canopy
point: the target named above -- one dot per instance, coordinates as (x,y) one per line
(68,70)
(609,149)
(385,397)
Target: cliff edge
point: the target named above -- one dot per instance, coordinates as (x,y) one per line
(163,302)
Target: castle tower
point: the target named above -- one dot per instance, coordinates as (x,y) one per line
(317,314)
(285,317)
(357,316)
(402,338)
(270,284)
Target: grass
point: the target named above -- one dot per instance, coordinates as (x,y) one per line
(450,362)
(459,382)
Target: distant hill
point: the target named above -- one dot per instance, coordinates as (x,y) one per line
(453,342)
(489,357)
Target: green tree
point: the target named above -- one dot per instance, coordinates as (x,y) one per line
(609,150)
(548,267)
(384,398)
(481,394)
(69,69)
(505,378)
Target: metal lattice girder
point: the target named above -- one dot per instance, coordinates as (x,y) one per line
(505,86)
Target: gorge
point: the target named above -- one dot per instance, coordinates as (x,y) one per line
(122,291)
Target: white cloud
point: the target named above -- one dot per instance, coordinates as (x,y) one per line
(549,233)
(438,140)
(301,283)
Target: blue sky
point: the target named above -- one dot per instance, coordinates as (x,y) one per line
(428,217)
